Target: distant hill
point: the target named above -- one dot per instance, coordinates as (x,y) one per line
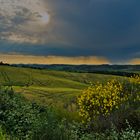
(122,70)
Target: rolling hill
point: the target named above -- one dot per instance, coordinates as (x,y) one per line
(58,88)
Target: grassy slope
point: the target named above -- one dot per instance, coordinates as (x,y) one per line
(49,87)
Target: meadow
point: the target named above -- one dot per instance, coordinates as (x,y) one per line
(45,105)
(49,87)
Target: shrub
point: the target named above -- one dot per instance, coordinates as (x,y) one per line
(3,136)
(100,100)
(103,103)
(19,117)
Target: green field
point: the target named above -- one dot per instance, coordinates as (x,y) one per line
(47,86)
(51,109)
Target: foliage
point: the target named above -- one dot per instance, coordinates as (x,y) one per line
(113,134)
(28,121)
(102,101)
(64,130)
(19,117)
(3,136)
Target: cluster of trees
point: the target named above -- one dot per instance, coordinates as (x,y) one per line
(2,63)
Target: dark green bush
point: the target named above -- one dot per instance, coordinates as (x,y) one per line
(19,117)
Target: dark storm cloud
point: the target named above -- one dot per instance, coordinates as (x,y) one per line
(108,28)
(105,27)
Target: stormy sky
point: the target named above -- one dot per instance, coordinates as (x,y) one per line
(70,31)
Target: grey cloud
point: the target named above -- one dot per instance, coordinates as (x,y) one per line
(106,27)
(109,28)
(21,20)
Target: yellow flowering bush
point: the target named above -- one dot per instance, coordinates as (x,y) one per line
(101,99)
(135,80)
